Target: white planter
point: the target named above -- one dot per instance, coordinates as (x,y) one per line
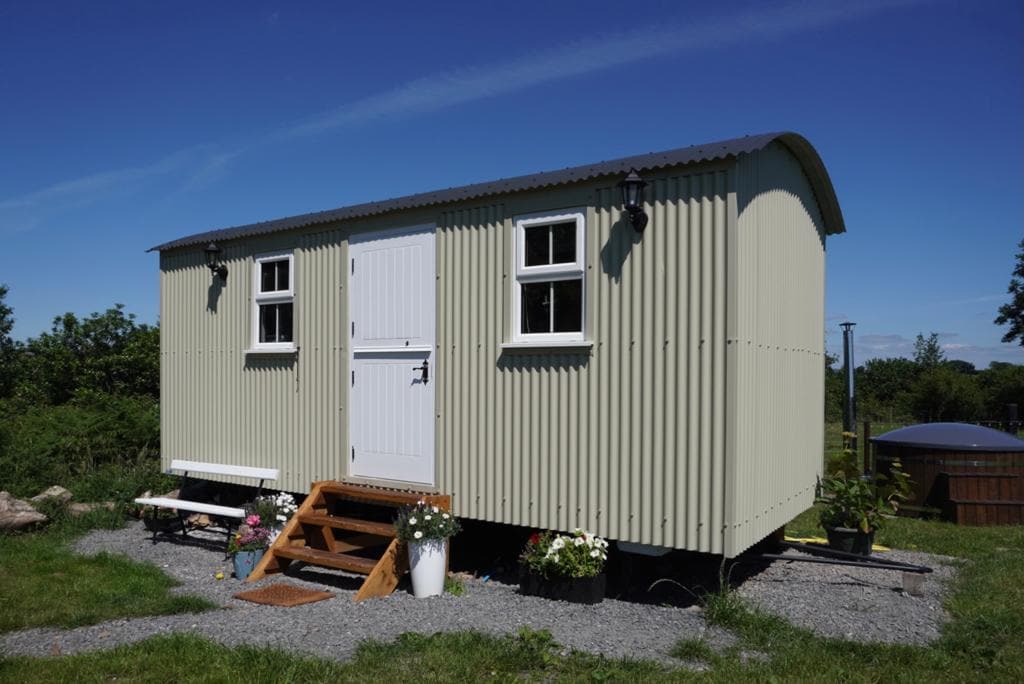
(427,563)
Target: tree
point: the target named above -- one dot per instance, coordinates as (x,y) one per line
(941,393)
(1012,313)
(884,386)
(8,347)
(105,353)
(927,352)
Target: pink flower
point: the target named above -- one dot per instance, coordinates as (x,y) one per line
(252,520)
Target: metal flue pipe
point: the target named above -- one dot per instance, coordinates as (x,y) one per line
(850,406)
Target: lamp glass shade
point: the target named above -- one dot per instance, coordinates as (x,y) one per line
(632,190)
(212,251)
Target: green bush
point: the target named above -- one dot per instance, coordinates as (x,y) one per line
(100,447)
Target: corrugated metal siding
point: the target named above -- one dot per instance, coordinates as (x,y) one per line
(627,440)
(220,405)
(777,346)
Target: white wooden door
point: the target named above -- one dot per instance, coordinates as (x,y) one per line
(391,302)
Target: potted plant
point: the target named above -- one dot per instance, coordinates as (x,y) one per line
(855,507)
(248,545)
(568,567)
(274,511)
(425,529)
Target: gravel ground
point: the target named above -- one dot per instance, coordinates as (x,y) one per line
(333,628)
(856,603)
(865,605)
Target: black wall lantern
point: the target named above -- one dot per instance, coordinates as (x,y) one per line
(633,199)
(212,252)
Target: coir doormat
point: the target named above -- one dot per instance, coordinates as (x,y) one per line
(282,594)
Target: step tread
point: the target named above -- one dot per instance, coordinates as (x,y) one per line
(341,561)
(376,494)
(352,524)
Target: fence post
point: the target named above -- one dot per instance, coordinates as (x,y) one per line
(867,447)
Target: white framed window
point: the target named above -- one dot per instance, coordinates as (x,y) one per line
(549,289)
(273,314)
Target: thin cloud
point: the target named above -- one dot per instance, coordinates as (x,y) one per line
(446,90)
(597,53)
(91,185)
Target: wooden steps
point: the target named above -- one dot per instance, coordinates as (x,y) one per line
(983,498)
(329,559)
(319,534)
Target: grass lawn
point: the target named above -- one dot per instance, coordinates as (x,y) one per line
(984,642)
(42,582)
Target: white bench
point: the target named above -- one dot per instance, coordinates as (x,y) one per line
(227,513)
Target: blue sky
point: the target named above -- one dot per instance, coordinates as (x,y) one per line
(124,125)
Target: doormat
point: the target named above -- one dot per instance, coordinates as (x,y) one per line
(286,595)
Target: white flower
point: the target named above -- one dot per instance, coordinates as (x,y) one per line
(578,531)
(558,543)
(555,558)
(412,521)
(595,553)
(426,517)
(445,516)
(418,534)
(436,509)
(579,541)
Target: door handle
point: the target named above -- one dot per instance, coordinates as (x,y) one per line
(425,368)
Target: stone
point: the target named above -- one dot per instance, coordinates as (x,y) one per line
(16,514)
(77,509)
(55,492)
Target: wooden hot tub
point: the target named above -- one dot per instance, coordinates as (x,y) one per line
(973,475)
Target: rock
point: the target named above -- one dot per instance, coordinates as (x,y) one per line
(16,514)
(77,509)
(173,494)
(55,492)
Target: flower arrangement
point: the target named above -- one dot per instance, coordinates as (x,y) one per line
(424,522)
(580,554)
(273,510)
(250,537)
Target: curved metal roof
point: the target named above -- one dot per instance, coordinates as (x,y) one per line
(809,159)
(951,436)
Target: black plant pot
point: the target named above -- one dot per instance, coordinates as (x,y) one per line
(850,540)
(589,590)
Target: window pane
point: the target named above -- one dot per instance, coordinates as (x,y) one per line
(537,246)
(563,243)
(568,296)
(268,323)
(267,276)
(282,274)
(284,321)
(536,317)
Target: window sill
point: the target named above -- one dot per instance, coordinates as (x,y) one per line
(569,346)
(281,351)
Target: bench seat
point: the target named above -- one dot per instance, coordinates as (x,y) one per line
(193,506)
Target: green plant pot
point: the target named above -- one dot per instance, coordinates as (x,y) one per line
(850,540)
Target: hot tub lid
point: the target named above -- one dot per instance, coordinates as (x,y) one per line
(951,436)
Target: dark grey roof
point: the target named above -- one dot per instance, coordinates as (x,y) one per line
(797,144)
(951,436)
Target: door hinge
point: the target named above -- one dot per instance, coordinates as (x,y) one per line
(353,266)
(353,328)
(353,454)
(353,378)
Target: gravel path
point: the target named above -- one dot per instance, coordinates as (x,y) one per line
(856,603)
(865,605)
(333,628)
